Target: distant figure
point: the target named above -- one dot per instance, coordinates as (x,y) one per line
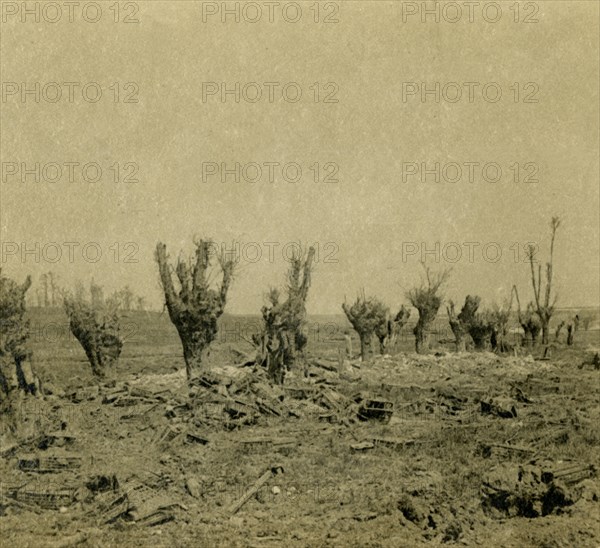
(348,340)
(576,323)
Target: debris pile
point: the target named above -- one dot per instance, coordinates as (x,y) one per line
(532,490)
(50,475)
(230,401)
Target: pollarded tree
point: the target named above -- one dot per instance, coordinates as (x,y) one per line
(427,300)
(499,318)
(95,324)
(195,307)
(45,283)
(126,297)
(283,337)
(388,331)
(480,330)
(528,319)
(15,369)
(53,288)
(460,323)
(558,329)
(96,294)
(368,315)
(472,322)
(544,305)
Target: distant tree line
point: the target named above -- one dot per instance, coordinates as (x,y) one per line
(50,294)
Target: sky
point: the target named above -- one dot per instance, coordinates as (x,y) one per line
(349,167)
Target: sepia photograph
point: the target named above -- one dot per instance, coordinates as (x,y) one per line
(301,273)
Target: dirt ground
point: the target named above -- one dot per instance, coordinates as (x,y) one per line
(470,449)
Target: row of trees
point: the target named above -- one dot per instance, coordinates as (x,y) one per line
(485,328)
(50,294)
(196,289)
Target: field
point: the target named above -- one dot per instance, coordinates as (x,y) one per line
(478,450)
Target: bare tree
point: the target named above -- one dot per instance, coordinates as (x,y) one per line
(96,295)
(195,307)
(126,297)
(282,339)
(388,332)
(95,324)
(39,293)
(499,317)
(15,368)
(368,315)
(586,321)
(427,300)
(460,323)
(570,330)
(472,322)
(544,304)
(528,319)
(45,283)
(53,288)
(481,330)
(558,329)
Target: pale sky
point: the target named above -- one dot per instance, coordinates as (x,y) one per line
(362,223)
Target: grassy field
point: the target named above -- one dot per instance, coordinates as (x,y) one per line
(431,486)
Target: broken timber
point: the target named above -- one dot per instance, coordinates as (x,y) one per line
(273,471)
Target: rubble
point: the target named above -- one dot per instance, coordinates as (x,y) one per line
(401,429)
(500,407)
(372,408)
(531,490)
(44,464)
(278,444)
(47,495)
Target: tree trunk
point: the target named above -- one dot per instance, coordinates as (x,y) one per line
(480,343)
(276,366)
(570,335)
(365,345)
(348,341)
(458,332)
(421,339)
(102,346)
(382,341)
(16,376)
(193,354)
(545,333)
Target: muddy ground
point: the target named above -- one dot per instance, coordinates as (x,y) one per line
(405,450)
